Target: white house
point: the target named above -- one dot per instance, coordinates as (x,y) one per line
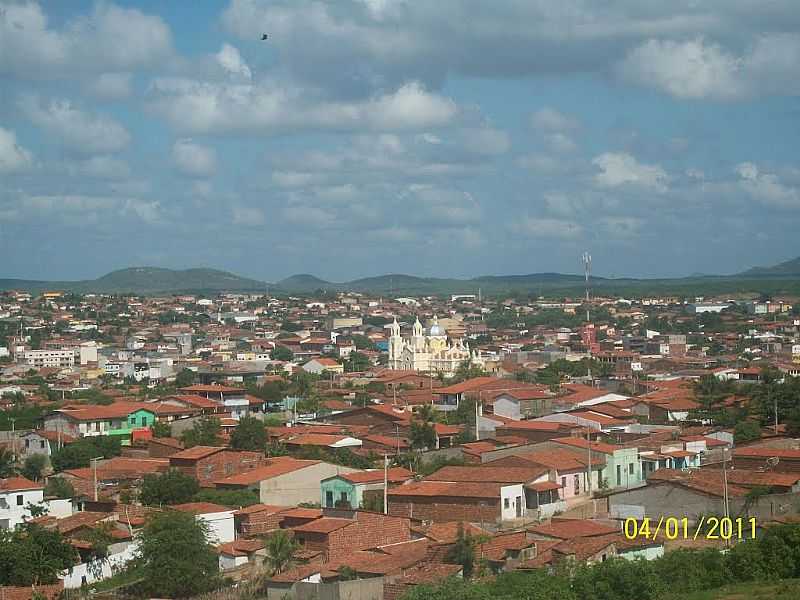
(218,519)
(16,495)
(319,365)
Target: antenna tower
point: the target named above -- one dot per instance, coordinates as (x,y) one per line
(586,258)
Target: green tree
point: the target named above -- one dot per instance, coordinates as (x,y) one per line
(58,487)
(280,552)
(175,557)
(78,454)
(233,498)
(281,353)
(161,429)
(204,432)
(746,431)
(33,467)
(7,468)
(362,342)
(422,435)
(463,552)
(185,378)
(32,555)
(357,362)
(172,487)
(249,434)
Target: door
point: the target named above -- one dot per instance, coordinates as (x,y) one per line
(519,506)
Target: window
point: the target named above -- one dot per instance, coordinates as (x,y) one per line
(20,499)
(343,498)
(577,484)
(41,444)
(329,499)
(619,475)
(97,425)
(27,443)
(630,469)
(506,503)
(144,421)
(564,484)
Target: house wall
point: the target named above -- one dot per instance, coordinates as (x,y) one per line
(647,553)
(218,465)
(512,502)
(300,486)
(226,562)
(337,487)
(13,506)
(98,570)
(663,499)
(442,510)
(369,531)
(220,526)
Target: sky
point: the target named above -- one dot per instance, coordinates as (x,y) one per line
(449,138)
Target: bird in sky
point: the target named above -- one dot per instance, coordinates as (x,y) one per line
(264,36)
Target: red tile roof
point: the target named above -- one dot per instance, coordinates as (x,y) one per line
(446,489)
(197,452)
(395,474)
(203,508)
(14,484)
(488,473)
(566,529)
(280,465)
(323,525)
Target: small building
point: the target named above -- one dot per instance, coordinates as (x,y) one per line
(284,480)
(318,366)
(16,496)
(218,519)
(351,489)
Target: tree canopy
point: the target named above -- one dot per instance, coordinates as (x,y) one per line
(204,432)
(175,557)
(32,555)
(249,434)
(172,487)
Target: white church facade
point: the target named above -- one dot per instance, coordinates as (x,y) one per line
(431,353)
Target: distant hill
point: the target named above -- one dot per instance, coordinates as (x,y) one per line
(145,280)
(305,283)
(784,277)
(790,268)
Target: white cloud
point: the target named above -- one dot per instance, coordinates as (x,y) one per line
(247,216)
(697,68)
(85,132)
(111,86)
(549,119)
(229,59)
(13,157)
(620,168)
(93,208)
(103,167)
(561,143)
(207,107)
(547,228)
(110,38)
(194,159)
(767,188)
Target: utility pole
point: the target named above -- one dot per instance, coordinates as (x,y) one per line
(94,473)
(589,473)
(385,484)
(725,491)
(13,438)
(477,417)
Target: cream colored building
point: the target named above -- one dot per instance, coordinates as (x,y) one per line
(433,352)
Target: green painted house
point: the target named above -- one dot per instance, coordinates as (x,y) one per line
(623,468)
(349,490)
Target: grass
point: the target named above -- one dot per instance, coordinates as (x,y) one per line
(788,589)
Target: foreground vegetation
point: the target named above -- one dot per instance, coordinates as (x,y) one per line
(771,559)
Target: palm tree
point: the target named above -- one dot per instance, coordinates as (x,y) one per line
(280,552)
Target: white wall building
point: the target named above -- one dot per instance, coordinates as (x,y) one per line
(50,358)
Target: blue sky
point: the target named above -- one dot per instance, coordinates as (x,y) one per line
(455,138)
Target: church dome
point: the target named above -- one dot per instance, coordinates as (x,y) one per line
(436,329)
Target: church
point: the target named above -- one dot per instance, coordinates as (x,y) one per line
(431,353)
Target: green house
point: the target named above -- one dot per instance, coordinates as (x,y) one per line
(141,418)
(622,469)
(350,490)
